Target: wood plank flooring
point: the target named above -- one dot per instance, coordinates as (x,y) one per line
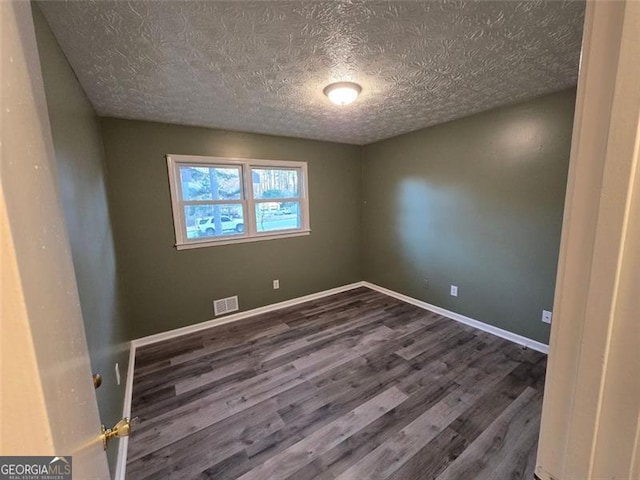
(355,386)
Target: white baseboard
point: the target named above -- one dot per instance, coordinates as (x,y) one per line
(499,332)
(159,337)
(178,332)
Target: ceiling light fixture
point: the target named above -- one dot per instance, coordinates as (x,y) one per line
(342,93)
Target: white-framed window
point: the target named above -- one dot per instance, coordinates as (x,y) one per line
(217,201)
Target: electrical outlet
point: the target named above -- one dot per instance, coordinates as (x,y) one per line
(454,290)
(425,283)
(276,284)
(546,316)
(117,373)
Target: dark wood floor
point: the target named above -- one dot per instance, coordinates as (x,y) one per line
(354,386)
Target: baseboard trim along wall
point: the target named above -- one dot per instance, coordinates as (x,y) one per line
(124,442)
(498,332)
(178,332)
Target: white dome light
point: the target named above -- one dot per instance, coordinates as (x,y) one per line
(342,93)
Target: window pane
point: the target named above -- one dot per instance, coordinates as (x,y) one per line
(271,216)
(210,183)
(274,183)
(213,220)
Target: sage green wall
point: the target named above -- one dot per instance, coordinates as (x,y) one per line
(477,203)
(165,288)
(80,167)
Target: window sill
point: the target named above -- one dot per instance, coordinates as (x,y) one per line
(231,241)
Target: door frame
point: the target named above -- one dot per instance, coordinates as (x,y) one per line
(49,405)
(592,355)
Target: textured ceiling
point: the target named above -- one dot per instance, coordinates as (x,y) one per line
(260,66)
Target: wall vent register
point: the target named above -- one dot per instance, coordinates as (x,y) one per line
(225,305)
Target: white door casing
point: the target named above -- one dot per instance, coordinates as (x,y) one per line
(591,414)
(48,401)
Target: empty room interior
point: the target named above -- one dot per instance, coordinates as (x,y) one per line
(328,240)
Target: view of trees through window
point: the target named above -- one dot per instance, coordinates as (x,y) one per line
(275,191)
(213,198)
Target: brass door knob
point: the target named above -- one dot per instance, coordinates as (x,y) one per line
(97,380)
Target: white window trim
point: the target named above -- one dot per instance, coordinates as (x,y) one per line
(250,233)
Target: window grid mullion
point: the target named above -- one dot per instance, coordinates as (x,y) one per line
(211,202)
(278,200)
(251,209)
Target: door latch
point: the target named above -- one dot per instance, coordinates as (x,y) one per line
(120,429)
